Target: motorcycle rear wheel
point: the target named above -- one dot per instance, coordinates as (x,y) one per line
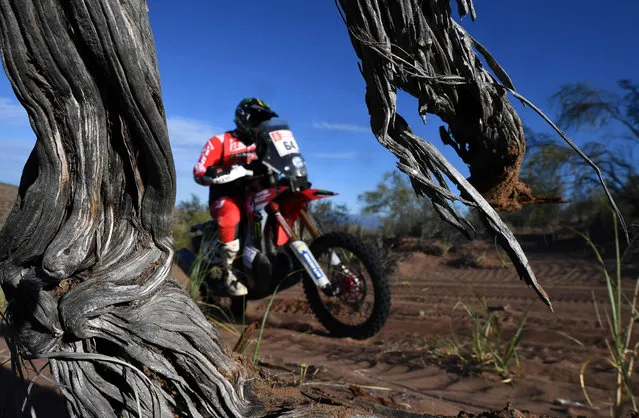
(363,278)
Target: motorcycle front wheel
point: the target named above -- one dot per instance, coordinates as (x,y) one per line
(363,302)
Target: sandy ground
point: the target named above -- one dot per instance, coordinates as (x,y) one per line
(399,367)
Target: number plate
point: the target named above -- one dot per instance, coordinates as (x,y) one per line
(284,142)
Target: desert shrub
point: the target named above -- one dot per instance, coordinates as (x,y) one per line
(468,259)
(329,216)
(489,351)
(187,214)
(436,247)
(401,212)
(388,249)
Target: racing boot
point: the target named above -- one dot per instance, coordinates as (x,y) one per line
(229,252)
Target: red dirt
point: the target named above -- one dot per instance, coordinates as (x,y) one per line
(395,367)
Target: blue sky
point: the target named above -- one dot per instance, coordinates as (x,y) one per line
(296,55)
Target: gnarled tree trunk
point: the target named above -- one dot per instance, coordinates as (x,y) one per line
(86,252)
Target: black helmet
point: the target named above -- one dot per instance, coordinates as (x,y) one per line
(250,113)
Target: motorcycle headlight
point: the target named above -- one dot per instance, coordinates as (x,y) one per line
(300,166)
(298,162)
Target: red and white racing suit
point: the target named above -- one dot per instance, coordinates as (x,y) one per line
(225,200)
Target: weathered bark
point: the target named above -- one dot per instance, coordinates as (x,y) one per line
(86,252)
(417,47)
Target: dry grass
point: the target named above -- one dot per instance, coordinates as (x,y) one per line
(621,314)
(8,194)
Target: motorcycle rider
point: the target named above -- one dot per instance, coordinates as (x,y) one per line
(223,164)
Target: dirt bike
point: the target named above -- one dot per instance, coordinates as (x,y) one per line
(344,282)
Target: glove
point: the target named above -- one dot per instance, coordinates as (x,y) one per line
(204,180)
(227,176)
(257,167)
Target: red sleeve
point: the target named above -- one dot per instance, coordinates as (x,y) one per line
(211,155)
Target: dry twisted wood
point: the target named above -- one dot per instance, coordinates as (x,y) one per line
(416,46)
(86,252)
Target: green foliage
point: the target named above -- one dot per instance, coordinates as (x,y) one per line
(468,259)
(330,216)
(395,203)
(552,168)
(541,169)
(622,354)
(489,351)
(583,105)
(187,214)
(258,344)
(628,197)
(194,205)
(200,268)
(303,373)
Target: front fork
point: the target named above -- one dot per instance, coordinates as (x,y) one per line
(309,224)
(301,250)
(315,233)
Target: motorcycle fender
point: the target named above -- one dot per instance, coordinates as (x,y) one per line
(292,207)
(303,253)
(315,194)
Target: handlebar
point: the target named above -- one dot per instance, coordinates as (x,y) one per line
(255,177)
